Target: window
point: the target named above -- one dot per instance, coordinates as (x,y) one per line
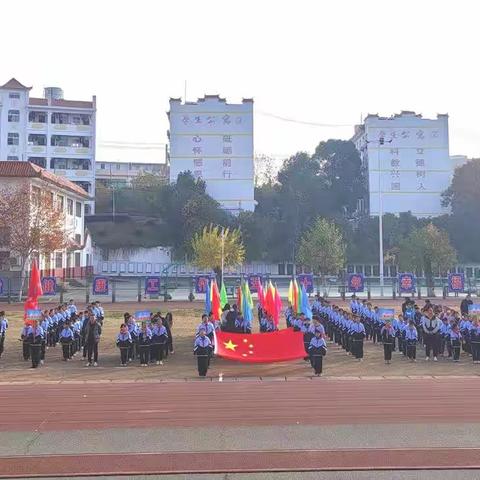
(78,238)
(69,206)
(13,138)
(102,166)
(14,115)
(281,269)
(368,270)
(78,209)
(69,141)
(37,117)
(77,259)
(61,202)
(88,209)
(376,271)
(227,175)
(70,163)
(469,271)
(227,162)
(198,162)
(37,140)
(60,118)
(14,95)
(76,120)
(118,166)
(12,157)
(59,260)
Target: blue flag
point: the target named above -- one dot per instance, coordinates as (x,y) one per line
(306,309)
(208,301)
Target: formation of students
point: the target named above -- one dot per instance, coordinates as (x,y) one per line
(150,342)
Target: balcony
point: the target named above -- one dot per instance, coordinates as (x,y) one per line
(71,145)
(71,128)
(31,148)
(37,126)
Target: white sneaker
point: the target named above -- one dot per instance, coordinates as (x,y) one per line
(160,363)
(427,359)
(41,362)
(435,359)
(95,364)
(157,363)
(88,364)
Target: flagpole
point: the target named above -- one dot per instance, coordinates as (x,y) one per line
(223,250)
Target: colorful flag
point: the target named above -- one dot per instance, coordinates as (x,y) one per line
(34,289)
(298,297)
(260,294)
(278,307)
(306,309)
(247,303)
(290,293)
(223,295)
(208,297)
(279,346)
(216,308)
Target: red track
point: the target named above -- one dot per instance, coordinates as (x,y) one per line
(318,401)
(239,462)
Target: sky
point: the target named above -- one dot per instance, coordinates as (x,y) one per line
(326,62)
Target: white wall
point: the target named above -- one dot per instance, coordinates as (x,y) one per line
(214,140)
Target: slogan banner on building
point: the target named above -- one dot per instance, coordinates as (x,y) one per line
(456,282)
(356,282)
(306,279)
(253,281)
(201,283)
(406,283)
(386,314)
(143,315)
(3,286)
(152,285)
(100,286)
(49,285)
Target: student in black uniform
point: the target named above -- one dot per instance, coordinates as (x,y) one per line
(144,341)
(168,324)
(475,341)
(411,337)
(202,349)
(456,339)
(387,334)
(66,339)
(35,337)
(317,350)
(25,342)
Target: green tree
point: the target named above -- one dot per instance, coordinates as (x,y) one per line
(147,180)
(207,248)
(342,171)
(427,249)
(322,248)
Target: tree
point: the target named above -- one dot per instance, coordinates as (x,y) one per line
(207,248)
(342,169)
(147,180)
(32,223)
(427,249)
(322,248)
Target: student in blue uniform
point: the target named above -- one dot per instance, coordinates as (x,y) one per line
(144,341)
(411,338)
(133,331)
(159,340)
(25,342)
(317,350)
(456,340)
(3,330)
(358,334)
(202,349)
(35,338)
(475,341)
(387,334)
(66,339)
(124,343)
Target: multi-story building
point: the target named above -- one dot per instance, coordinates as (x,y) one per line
(214,141)
(121,174)
(76,259)
(51,132)
(407,163)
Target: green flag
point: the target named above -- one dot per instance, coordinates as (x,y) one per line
(223,296)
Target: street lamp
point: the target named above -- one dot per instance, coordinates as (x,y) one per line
(381,142)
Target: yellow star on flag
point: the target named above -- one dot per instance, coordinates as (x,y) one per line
(230,345)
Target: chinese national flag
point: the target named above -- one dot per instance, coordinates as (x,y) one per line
(277,346)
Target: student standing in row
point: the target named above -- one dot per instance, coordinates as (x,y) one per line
(358,334)
(388,338)
(159,340)
(35,338)
(317,350)
(144,341)
(456,340)
(431,328)
(93,331)
(202,349)
(475,341)
(66,339)
(411,338)
(3,330)
(124,343)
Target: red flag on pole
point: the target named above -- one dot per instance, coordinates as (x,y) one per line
(278,346)
(34,288)
(278,307)
(216,306)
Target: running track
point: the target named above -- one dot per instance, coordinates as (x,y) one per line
(238,403)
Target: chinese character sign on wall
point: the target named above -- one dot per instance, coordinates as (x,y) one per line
(406,283)
(100,286)
(356,282)
(456,282)
(152,285)
(49,285)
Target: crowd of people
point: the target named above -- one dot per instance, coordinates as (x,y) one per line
(443,331)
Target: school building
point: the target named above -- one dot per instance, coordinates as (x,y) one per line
(121,174)
(407,163)
(74,261)
(213,140)
(51,132)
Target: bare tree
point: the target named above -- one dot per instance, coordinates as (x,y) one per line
(32,223)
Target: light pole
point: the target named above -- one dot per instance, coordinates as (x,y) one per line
(381,141)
